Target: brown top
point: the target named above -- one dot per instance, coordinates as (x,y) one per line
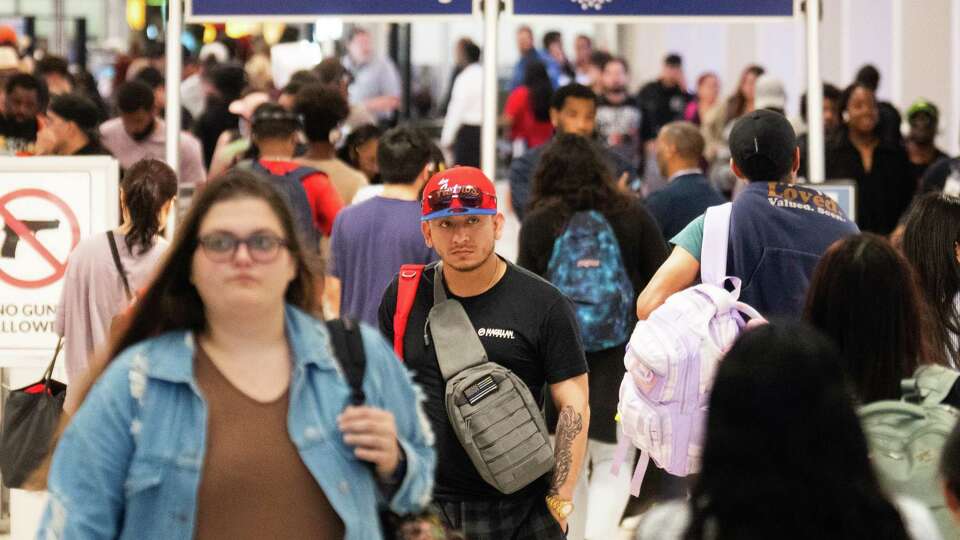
(253,483)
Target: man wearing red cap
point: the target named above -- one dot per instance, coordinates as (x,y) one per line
(525,325)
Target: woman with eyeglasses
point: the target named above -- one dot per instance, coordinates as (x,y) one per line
(224,414)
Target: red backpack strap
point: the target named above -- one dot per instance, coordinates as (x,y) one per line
(407,285)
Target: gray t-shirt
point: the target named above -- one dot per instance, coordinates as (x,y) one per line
(93,294)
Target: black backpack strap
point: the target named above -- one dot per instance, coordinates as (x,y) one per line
(116,261)
(348,348)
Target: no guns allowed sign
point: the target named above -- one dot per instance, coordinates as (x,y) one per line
(47,206)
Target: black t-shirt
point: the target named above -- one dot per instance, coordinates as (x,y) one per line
(660,105)
(619,126)
(525,325)
(642,249)
(884,193)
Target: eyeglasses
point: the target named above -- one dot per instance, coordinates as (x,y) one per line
(222,247)
(469,197)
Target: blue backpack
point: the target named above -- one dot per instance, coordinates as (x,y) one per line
(586,265)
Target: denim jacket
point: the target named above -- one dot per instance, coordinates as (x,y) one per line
(129,464)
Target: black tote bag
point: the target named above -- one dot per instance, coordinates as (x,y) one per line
(30,418)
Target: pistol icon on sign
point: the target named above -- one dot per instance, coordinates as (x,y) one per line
(12,239)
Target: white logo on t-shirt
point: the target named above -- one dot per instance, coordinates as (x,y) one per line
(495,332)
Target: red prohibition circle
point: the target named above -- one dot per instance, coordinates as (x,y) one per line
(59,267)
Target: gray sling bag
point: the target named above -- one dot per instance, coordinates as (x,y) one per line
(491,410)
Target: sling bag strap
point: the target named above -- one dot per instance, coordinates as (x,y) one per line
(407,285)
(454,337)
(116,261)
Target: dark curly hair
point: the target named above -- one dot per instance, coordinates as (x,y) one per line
(322,108)
(574,176)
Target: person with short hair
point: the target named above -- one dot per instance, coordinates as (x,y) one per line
(618,114)
(223,412)
(138,134)
(226,83)
(372,239)
(664,100)
(780,389)
(778,229)
(71,128)
(582,51)
(25,99)
(831,122)
(154,78)
(323,109)
(376,82)
(527,51)
(573,109)
(558,66)
(859,151)
(923,116)
(55,72)
(525,325)
(275,132)
(688,193)
(93,289)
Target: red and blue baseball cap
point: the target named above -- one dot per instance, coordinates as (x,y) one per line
(458,191)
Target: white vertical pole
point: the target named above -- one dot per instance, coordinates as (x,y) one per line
(815,143)
(488,132)
(173,76)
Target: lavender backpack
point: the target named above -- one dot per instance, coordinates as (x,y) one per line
(672,358)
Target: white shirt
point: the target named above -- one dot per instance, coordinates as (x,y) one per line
(466,103)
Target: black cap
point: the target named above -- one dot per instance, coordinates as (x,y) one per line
(77,109)
(673,60)
(762,144)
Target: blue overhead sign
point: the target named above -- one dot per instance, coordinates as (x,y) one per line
(220,9)
(656,8)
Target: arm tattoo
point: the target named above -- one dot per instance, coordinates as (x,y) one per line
(569,426)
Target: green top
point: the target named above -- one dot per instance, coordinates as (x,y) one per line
(691,237)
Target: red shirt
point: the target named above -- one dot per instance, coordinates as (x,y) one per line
(325,203)
(525,124)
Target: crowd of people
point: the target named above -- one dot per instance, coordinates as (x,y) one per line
(204,381)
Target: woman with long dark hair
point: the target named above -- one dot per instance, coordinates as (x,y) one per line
(717,124)
(931,241)
(573,177)
(865,296)
(224,393)
(784,455)
(528,107)
(880,167)
(359,151)
(95,287)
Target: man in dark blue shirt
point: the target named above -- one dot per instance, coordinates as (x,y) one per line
(688,193)
(573,109)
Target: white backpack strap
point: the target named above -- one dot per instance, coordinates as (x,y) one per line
(716,235)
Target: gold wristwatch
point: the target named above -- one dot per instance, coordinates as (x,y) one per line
(562,508)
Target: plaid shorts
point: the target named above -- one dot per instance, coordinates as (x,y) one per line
(523,519)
